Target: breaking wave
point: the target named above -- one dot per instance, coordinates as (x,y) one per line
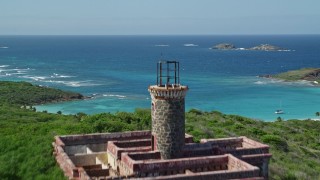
(260,82)
(74,83)
(55,75)
(115,95)
(5,71)
(36,78)
(23,73)
(162,45)
(290,83)
(3,66)
(190,45)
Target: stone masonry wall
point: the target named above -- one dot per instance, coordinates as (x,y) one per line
(168,126)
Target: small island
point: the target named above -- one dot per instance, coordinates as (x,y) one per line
(267,47)
(308,74)
(224,46)
(261,47)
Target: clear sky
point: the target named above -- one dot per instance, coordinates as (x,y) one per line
(125,17)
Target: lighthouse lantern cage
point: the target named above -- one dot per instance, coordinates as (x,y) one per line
(168,73)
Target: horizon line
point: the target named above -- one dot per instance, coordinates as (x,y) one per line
(153,34)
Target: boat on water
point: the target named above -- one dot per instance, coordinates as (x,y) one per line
(279,111)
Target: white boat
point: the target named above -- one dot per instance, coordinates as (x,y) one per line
(279,111)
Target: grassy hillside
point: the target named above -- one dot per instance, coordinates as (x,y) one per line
(295,144)
(23,93)
(26,136)
(25,143)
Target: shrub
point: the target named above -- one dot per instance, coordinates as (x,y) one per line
(195,111)
(276,141)
(257,131)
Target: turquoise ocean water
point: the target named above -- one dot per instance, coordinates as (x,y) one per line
(117,70)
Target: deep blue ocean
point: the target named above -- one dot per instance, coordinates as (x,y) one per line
(117,70)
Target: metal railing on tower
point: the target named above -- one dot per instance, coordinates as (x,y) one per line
(168,73)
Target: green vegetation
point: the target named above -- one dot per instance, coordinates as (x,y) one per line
(310,74)
(26,137)
(23,93)
(295,144)
(25,143)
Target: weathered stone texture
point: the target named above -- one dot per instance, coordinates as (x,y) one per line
(168,119)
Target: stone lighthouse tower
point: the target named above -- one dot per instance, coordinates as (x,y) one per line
(168,110)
